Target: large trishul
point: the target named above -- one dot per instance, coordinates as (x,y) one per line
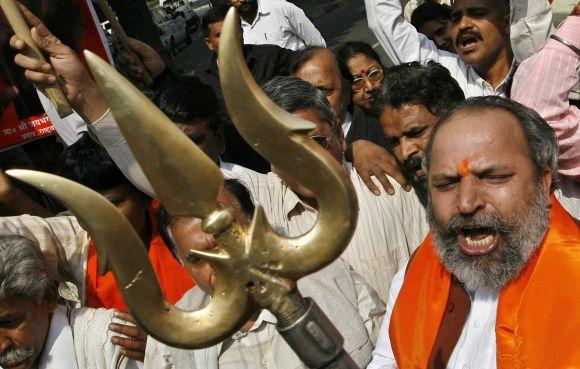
(255,267)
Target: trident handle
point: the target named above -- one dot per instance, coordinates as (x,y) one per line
(21,30)
(313,336)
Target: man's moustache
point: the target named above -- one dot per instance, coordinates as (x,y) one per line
(473,34)
(15,354)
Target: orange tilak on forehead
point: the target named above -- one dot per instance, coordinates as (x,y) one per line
(463,167)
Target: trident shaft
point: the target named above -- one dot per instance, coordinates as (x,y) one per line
(255,267)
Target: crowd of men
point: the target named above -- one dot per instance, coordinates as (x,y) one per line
(465,160)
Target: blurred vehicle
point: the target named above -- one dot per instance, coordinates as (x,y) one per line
(201,7)
(173,30)
(182,8)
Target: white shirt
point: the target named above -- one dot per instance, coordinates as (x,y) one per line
(347,123)
(476,347)
(80,339)
(58,351)
(281,23)
(530,27)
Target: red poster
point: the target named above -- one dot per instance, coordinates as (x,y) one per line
(23,119)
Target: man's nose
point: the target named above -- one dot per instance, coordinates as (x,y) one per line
(465,22)
(5,342)
(469,197)
(408,148)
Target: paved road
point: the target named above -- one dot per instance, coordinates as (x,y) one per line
(346,22)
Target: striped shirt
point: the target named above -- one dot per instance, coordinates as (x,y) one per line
(543,83)
(389,228)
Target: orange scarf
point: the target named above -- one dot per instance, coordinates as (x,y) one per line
(102,290)
(538,315)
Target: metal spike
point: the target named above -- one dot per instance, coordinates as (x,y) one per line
(279,137)
(216,256)
(185,180)
(119,244)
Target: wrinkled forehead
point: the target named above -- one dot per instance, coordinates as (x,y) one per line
(486,135)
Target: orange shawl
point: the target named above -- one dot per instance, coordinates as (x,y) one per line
(538,316)
(102,291)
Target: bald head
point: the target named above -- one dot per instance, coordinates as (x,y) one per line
(489,164)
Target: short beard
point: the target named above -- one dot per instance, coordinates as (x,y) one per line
(519,237)
(15,354)
(419,184)
(248,8)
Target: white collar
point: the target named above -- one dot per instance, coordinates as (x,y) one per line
(262,10)
(502,86)
(59,348)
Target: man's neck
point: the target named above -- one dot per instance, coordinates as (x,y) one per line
(496,72)
(250,17)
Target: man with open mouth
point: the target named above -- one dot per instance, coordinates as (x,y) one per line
(495,285)
(489,36)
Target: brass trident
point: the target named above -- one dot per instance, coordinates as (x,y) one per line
(255,267)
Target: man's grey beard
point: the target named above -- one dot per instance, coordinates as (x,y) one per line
(15,354)
(520,236)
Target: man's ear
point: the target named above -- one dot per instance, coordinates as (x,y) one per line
(547,182)
(208,44)
(50,298)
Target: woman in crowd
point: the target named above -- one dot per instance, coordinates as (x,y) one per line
(365,66)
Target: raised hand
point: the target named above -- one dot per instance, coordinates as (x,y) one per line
(150,58)
(65,68)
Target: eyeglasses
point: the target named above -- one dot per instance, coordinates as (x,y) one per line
(323,141)
(374,76)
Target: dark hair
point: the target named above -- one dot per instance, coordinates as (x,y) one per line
(89,164)
(186,100)
(214,15)
(348,50)
(165,221)
(429,11)
(302,57)
(293,94)
(540,138)
(430,85)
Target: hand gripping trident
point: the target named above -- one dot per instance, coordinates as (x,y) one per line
(255,267)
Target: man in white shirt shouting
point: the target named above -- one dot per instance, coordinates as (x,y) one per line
(277,23)
(480,33)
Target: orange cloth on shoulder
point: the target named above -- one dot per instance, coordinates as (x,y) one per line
(103,291)
(538,314)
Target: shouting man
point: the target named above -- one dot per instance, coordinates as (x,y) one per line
(495,283)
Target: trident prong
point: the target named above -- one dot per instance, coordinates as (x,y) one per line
(279,137)
(124,254)
(168,159)
(188,183)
